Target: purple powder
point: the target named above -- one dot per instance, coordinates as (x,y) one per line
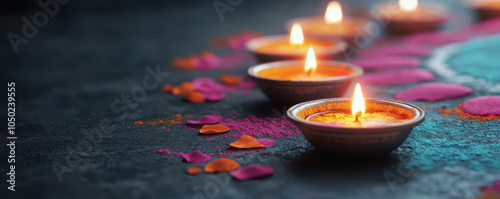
(253,126)
(252,171)
(484,105)
(433,92)
(166,151)
(397,77)
(209,139)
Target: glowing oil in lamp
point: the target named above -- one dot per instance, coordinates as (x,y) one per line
(307,72)
(295,45)
(332,24)
(357,114)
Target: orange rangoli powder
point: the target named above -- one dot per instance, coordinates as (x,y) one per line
(461,115)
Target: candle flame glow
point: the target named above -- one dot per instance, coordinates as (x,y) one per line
(310,66)
(408,5)
(358,103)
(333,12)
(296,36)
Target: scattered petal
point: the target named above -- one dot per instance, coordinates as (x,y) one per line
(183,88)
(484,105)
(433,92)
(221,165)
(206,119)
(167,88)
(489,195)
(266,142)
(246,142)
(195,97)
(397,77)
(194,170)
(213,129)
(399,50)
(194,157)
(230,80)
(252,171)
(380,63)
(214,95)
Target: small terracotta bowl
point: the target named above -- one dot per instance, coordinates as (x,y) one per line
(352,140)
(293,92)
(324,54)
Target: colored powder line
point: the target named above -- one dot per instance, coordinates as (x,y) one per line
(165,121)
(459,114)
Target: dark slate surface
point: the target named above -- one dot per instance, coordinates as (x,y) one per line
(92,53)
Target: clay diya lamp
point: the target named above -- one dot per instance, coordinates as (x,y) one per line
(293,47)
(356,126)
(291,82)
(486,9)
(332,25)
(410,16)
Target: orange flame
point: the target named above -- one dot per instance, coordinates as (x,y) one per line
(310,66)
(358,103)
(408,5)
(296,36)
(333,12)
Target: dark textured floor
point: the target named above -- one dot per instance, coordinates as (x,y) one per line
(87,56)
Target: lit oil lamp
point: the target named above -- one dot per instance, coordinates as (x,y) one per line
(357,125)
(486,9)
(410,16)
(332,25)
(291,82)
(293,47)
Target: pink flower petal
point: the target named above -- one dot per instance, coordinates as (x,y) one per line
(194,157)
(266,142)
(252,171)
(205,84)
(484,105)
(387,63)
(166,151)
(206,119)
(397,77)
(433,92)
(408,49)
(214,95)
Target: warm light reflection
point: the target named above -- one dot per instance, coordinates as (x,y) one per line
(296,36)
(310,66)
(408,5)
(358,103)
(333,12)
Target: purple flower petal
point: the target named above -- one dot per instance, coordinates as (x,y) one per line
(205,84)
(397,77)
(266,142)
(194,157)
(206,119)
(433,92)
(252,171)
(387,63)
(484,105)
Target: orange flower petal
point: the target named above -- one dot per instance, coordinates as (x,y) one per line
(222,165)
(213,129)
(185,63)
(183,88)
(246,142)
(195,97)
(167,88)
(193,170)
(230,80)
